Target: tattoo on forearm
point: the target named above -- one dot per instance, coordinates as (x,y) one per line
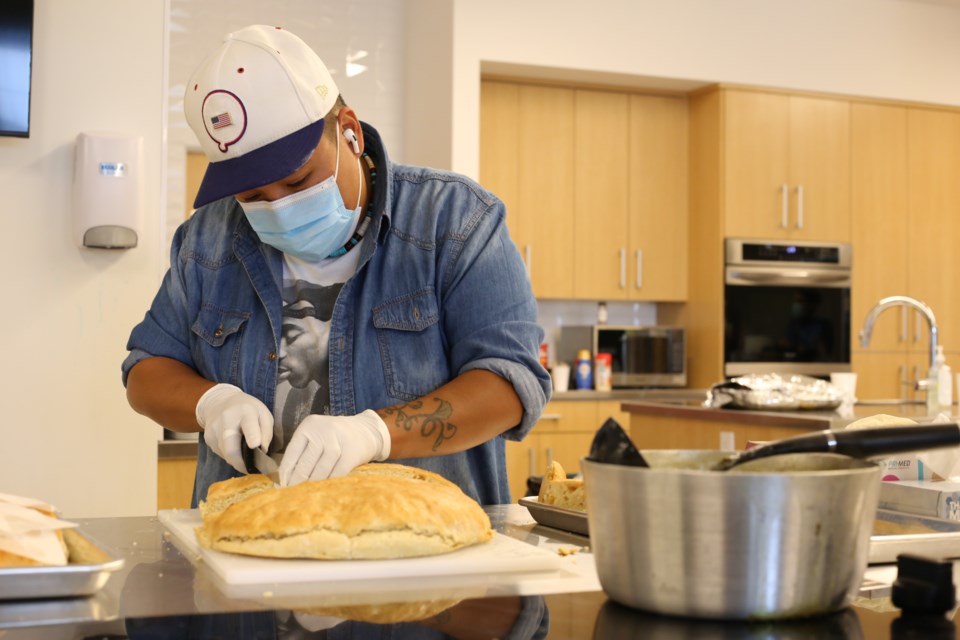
(433,424)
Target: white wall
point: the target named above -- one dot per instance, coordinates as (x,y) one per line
(367,32)
(67,433)
(903,49)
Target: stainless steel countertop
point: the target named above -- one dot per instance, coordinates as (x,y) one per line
(160,593)
(835,419)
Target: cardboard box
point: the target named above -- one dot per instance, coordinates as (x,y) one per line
(903,468)
(939,499)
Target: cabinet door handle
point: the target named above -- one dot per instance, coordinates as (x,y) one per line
(902,372)
(528,259)
(903,325)
(549,458)
(623,268)
(784,205)
(799,206)
(532,461)
(640,269)
(917,319)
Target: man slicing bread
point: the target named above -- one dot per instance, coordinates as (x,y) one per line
(327,304)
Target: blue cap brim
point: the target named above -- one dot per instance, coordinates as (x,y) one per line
(267,164)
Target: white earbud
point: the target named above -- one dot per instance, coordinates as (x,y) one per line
(352,139)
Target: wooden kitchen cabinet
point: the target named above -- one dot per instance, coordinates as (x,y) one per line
(600,195)
(934,199)
(787,166)
(631,197)
(526,158)
(904,192)
(595,185)
(657,199)
(175,482)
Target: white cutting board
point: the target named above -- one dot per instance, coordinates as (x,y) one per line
(502,554)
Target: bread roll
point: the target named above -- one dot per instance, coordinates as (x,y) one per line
(558,490)
(880,420)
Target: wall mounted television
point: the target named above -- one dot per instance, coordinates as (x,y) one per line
(16,56)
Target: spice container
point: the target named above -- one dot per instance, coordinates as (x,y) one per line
(602,372)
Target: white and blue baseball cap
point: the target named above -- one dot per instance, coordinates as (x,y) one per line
(256,105)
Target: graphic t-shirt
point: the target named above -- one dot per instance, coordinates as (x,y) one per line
(309,293)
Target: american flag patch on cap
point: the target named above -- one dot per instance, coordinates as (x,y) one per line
(220,121)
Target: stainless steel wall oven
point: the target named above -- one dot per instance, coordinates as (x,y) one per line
(786,307)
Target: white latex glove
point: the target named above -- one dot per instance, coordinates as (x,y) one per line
(328,446)
(226,413)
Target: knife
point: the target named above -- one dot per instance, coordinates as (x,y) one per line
(256,460)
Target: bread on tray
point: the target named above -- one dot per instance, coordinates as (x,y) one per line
(558,490)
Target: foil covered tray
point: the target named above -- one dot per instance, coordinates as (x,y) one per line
(773,392)
(556,517)
(83,578)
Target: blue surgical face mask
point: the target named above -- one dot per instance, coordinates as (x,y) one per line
(312,224)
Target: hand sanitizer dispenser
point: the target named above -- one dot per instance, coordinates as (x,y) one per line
(108,191)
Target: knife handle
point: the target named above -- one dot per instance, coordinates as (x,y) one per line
(868,443)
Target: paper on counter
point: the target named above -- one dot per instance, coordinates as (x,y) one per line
(25,531)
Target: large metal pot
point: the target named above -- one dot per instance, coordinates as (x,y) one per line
(781,537)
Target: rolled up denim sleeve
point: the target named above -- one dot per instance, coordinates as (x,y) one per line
(490,314)
(164,330)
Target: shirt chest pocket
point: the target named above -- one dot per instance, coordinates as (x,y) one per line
(217,349)
(411,344)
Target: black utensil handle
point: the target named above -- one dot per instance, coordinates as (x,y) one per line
(869,443)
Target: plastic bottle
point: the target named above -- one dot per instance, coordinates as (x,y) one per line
(944,382)
(584,370)
(601,372)
(602,313)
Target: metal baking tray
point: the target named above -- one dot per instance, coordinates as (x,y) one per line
(72,580)
(556,517)
(894,532)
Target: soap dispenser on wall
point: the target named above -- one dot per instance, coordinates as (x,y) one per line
(108,190)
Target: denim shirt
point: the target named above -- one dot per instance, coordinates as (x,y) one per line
(440,290)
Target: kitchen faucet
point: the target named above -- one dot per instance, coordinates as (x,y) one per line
(898,301)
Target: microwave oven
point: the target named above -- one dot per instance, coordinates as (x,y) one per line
(642,356)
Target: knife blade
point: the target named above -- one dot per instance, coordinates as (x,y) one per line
(267,464)
(256,460)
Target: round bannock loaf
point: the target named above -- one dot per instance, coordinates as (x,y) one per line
(222,494)
(390,613)
(357,516)
(399,471)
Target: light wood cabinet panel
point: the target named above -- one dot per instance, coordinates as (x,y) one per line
(600,195)
(595,185)
(546,188)
(499,150)
(881,375)
(879,222)
(611,409)
(820,166)
(934,227)
(527,161)
(786,162)
(658,170)
(175,482)
(756,146)
(522,459)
